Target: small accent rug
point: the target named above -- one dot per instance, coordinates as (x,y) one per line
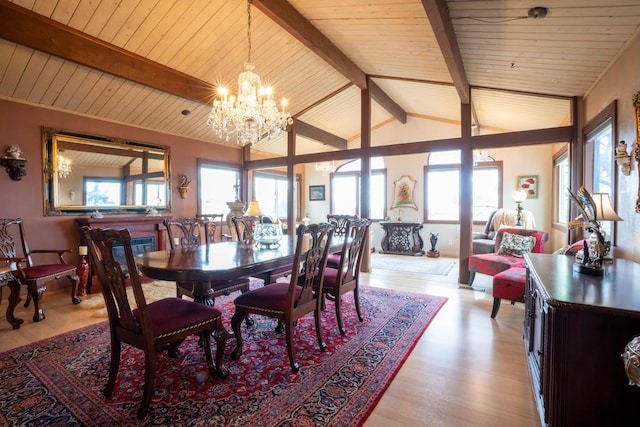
(59,381)
(413,264)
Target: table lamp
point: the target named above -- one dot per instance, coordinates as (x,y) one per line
(604,212)
(519,196)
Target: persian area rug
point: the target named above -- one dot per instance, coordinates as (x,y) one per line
(59,381)
(413,264)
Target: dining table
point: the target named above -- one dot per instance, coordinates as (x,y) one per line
(218,262)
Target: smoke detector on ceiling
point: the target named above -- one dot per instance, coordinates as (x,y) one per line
(537,12)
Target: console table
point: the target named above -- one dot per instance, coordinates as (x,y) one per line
(575,330)
(148,233)
(402,238)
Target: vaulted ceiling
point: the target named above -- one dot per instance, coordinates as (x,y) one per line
(144,62)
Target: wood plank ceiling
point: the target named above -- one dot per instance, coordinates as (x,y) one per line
(559,56)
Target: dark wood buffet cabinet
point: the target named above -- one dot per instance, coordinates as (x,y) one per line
(575,329)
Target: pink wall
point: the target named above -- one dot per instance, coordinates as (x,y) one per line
(621,82)
(21,124)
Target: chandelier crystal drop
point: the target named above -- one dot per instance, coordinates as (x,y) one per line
(253,114)
(64,166)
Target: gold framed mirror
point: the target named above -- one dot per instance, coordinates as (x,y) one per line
(86,173)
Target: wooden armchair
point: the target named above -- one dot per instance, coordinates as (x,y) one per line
(152,328)
(244,227)
(212,228)
(27,271)
(301,295)
(341,223)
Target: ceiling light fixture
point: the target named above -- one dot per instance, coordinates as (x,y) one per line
(325,168)
(538,12)
(253,114)
(64,166)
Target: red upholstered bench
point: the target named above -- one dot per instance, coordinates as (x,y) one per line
(508,284)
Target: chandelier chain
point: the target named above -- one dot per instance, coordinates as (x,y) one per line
(249,29)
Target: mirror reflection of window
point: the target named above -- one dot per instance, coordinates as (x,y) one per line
(102,192)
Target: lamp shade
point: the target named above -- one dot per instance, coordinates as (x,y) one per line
(82,250)
(519,196)
(253,209)
(604,210)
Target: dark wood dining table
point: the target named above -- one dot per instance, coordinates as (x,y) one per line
(216,262)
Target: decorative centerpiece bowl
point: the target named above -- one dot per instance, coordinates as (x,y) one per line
(268,234)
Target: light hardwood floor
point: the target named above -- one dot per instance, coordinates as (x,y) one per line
(466,370)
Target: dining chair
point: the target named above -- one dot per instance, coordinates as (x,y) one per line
(341,231)
(346,276)
(191,233)
(288,302)
(212,227)
(244,227)
(15,252)
(151,327)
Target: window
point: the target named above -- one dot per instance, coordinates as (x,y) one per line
(599,149)
(271,190)
(218,185)
(442,187)
(345,189)
(102,192)
(561,182)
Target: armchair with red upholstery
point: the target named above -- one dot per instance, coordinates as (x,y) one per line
(495,262)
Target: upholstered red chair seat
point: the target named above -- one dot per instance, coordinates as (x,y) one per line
(272,297)
(333,260)
(331,278)
(171,315)
(508,285)
(493,264)
(43,272)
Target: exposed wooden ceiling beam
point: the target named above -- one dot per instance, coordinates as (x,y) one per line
(30,29)
(385,101)
(285,15)
(317,134)
(438,14)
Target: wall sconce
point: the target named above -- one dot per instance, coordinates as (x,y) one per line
(623,159)
(519,196)
(183,187)
(14,163)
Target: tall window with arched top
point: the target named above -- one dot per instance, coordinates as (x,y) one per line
(345,189)
(442,187)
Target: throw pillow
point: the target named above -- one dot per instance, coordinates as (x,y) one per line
(516,245)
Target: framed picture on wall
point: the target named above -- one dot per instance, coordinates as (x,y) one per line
(316,192)
(529,183)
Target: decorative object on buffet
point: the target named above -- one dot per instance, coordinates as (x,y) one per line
(403,189)
(519,196)
(631,358)
(592,209)
(14,163)
(183,186)
(253,114)
(623,159)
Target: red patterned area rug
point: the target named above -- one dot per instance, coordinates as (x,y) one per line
(59,381)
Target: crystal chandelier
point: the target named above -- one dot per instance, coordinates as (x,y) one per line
(326,167)
(253,114)
(64,166)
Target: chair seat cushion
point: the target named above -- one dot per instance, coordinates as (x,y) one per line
(331,278)
(272,297)
(333,260)
(510,283)
(47,270)
(169,315)
(493,264)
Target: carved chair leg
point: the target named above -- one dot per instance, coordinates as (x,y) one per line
(220,335)
(35,292)
(291,351)
(14,299)
(338,305)
(113,368)
(356,301)
(149,378)
(236,324)
(74,279)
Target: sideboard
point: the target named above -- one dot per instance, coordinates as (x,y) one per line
(147,234)
(575,330)
(402,238)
